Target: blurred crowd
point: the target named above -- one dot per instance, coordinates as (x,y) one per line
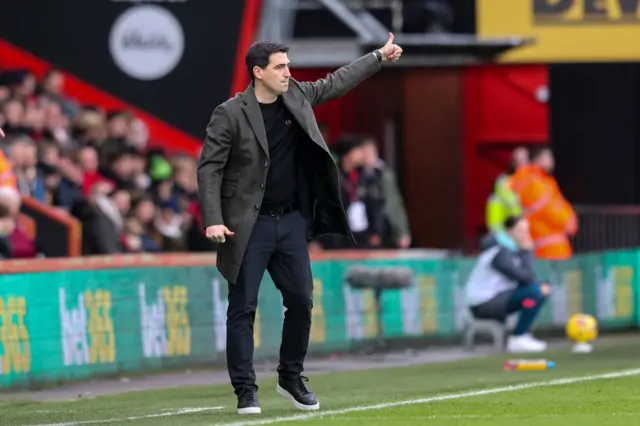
(94,165)
(371,197)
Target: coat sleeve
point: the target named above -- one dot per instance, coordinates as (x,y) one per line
(523,273)
(557,212)
(339,82)
(394,205)
(507,196)
(495,214)
(213,159)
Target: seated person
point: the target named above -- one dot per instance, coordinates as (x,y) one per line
(503,282)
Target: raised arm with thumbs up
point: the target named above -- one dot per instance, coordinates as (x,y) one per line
(390,52)
(341,81)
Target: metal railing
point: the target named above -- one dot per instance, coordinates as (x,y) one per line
(606,228)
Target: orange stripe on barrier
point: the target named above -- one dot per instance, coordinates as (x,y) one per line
(146,260)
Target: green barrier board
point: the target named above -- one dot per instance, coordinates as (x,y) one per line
(67,325)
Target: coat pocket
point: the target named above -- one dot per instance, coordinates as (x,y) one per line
(228,191)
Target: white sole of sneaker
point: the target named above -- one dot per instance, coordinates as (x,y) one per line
(249,410)
(295,403)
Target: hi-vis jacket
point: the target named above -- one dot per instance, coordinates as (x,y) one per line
(551,217)
(7,177)
(502,203)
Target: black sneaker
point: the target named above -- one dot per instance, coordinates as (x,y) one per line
(296,391)
(248,403)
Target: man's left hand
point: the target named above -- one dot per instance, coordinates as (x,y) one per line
(545,289)
(390,52)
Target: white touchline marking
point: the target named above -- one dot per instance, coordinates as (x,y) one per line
(483,416)
(147,416)
(446,397)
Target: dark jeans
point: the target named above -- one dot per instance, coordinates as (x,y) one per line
(277,244)
(527,300)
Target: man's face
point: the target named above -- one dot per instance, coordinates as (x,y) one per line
(5,94)
(275,76)
(30,155)
(145,211)
(51,155)
(370,154)
(118,127)
(520,157)
(520,231)
(23,155)
(356,156)
(27,86)
(122,200)
(13,112)
(88,159)
(54,83)
(124,167)
(546,160)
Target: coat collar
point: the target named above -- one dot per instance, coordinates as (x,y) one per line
(293,100)
(254,115)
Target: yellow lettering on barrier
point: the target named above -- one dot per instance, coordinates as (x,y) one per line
(428,302)
(177,321)
(256,330)
(623,286)
(102,344)
(14,336)
(318,321)
(573,281)
(370,318)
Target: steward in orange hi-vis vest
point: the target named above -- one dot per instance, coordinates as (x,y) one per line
(7,177)
(551,218)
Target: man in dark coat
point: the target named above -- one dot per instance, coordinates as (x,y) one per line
(268,185)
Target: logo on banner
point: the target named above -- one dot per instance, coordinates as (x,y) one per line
(589,12)
(166,327)
(360,312)
(14,336)
(86,326)
(220,305)
(564,30)
(146,42)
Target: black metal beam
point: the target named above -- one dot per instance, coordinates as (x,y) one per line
(450,49)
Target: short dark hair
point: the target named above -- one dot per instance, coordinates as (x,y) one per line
(259,53)
(511,222)
(537,151)
(347,143)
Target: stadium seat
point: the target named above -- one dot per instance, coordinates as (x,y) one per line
(497,330)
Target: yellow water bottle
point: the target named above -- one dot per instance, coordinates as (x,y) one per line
(528,365)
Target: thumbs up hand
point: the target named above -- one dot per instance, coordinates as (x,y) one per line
(390,52)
